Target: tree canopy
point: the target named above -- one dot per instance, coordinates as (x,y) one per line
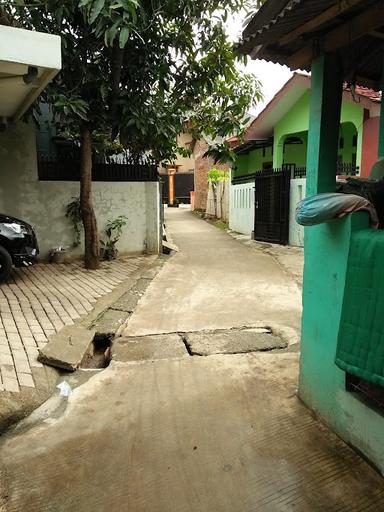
(143,71)
(140,72)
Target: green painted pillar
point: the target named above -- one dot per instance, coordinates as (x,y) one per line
(327,249)
(278,152)
(324,121)
(381,131)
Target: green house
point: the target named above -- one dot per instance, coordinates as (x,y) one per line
(278,138)
(279,135)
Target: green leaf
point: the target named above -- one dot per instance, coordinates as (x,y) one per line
(59,14)
(124,34)
(130,122)
(96,9)
(83,3)
(111,33)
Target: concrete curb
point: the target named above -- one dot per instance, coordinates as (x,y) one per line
(112,319)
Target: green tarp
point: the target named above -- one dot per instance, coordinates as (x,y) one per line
(360,346)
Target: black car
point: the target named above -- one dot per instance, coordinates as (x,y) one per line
(18,244)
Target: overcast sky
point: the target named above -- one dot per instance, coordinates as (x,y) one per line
(271,76)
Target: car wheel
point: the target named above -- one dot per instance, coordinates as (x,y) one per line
(5,264)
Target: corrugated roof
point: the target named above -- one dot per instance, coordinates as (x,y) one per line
(266,38)
(295,13)
(267,12)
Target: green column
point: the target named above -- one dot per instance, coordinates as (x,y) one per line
(278,152)
(327,249)
(324,121)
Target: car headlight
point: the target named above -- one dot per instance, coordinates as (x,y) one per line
(16,228)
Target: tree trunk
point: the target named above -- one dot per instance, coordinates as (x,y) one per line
(91,254)
(214,190)
(117,63)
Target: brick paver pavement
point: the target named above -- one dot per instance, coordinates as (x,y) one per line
(38,301)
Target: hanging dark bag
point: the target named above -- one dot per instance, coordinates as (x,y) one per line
(370,189)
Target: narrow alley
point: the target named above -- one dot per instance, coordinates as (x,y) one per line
(215,282)
(163,430)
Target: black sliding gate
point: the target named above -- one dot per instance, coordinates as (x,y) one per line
(272,189)
(184,185)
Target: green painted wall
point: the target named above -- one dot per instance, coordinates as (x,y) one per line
(296,153)
(326,251)
(352,113)
(258,157)
(248,164)
(297,120)
(295,123)
(241,165)
(322,383)
(347,132)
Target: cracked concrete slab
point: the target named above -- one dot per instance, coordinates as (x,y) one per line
(127,302)
(142,284)
(142,348)
(112,319)
(233,341)
(109,322)
(66,349)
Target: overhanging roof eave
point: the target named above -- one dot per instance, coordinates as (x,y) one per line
(251,145)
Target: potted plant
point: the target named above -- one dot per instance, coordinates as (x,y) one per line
(57,254)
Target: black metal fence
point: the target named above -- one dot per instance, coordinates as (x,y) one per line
(299,172)
(347,169)
(342,169)
(272,195)
(114,168)
(244,178)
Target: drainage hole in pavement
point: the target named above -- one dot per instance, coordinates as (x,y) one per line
(99,354)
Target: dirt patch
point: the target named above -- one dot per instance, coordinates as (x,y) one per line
(218,223)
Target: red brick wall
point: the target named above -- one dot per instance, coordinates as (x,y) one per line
(202,166)
(370,144)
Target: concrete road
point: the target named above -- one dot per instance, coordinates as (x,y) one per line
(215,282)
(222,433)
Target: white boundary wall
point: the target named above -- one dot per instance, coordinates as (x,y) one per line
(242,207)
(42,203)
(296,232)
